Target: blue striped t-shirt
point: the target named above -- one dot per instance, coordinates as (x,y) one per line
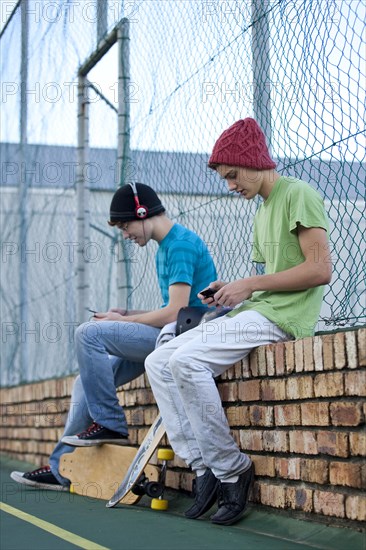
(183,257)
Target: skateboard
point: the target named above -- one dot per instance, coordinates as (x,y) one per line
(96,472)
(131,481)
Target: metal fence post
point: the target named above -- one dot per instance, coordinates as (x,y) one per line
(261,67)
(23,192)
(123,147)
(83,213)
(102,19)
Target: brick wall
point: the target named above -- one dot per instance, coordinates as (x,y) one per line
(298,409)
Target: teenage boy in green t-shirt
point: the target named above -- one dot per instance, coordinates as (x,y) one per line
(291,239)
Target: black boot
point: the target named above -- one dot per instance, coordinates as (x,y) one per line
(233,498)
(205,492)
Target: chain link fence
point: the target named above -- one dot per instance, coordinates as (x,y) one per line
(195,67)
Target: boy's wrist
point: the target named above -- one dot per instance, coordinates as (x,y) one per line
(255,283)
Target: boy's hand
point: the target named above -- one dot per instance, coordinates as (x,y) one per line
(234,293)
(109,316)
(210,300)
(118,310)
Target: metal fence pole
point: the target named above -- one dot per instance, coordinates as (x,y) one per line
(23,192)
(123,147)
(102,19)
(83,213)
(261,67)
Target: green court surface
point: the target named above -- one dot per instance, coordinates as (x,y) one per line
(50,520)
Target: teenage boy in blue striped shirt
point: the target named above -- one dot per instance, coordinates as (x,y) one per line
(111,348)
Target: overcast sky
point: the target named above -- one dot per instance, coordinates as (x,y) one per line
(191,74)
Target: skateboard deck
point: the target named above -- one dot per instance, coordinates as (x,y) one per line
(97,471)
(138,463)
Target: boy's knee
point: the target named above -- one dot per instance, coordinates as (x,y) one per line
(152,361)
(180,364)
(87,331)
(157,366)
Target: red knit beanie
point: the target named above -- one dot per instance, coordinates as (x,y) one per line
(243,144)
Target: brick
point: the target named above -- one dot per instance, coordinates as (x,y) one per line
(356,508)
(251,440)
(145,397)
(361,347)
(237,368)
(238,416)
(172,480)
(236,436)
(280,358)
(288,468)
(232,373)
(355,383)
(333,443)
(299,499)
(270,358)
(329,384)
(299,356)
(245,368)
(262,363)
(315,414)
(308,354)
(249,390)
(275,441)
(228,391)
(290,357)
(222,377)
(328,356)
(339,350)
(255,494)
(185,482)
(137,417)
(264,465)
(253,363)
(345,473)
(303,442)
(287,415)
(146,381)
(357,443)
(128,398)
(318,353)
(261,415)
(329,504)
(300,387)
(273,390)
(150,414)
(346,414)
(134,436)
(273,495)
(351,349)
(314,471)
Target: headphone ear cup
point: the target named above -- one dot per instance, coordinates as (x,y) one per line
(141,212)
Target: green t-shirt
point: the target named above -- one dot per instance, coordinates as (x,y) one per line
(292,202)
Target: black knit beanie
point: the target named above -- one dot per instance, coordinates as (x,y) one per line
(123,205)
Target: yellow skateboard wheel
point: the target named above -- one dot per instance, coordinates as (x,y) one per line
(165,454)
(159,504)
(72,490)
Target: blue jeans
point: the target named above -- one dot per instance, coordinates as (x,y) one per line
(110,354)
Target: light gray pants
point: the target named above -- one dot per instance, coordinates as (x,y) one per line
(182,376)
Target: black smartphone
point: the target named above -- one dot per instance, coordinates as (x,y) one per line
(208,292)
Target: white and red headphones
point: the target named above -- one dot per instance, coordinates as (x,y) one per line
(141,211)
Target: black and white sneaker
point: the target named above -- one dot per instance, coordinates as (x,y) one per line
(42,478)
(233,498)
(96,435)
(205,489)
